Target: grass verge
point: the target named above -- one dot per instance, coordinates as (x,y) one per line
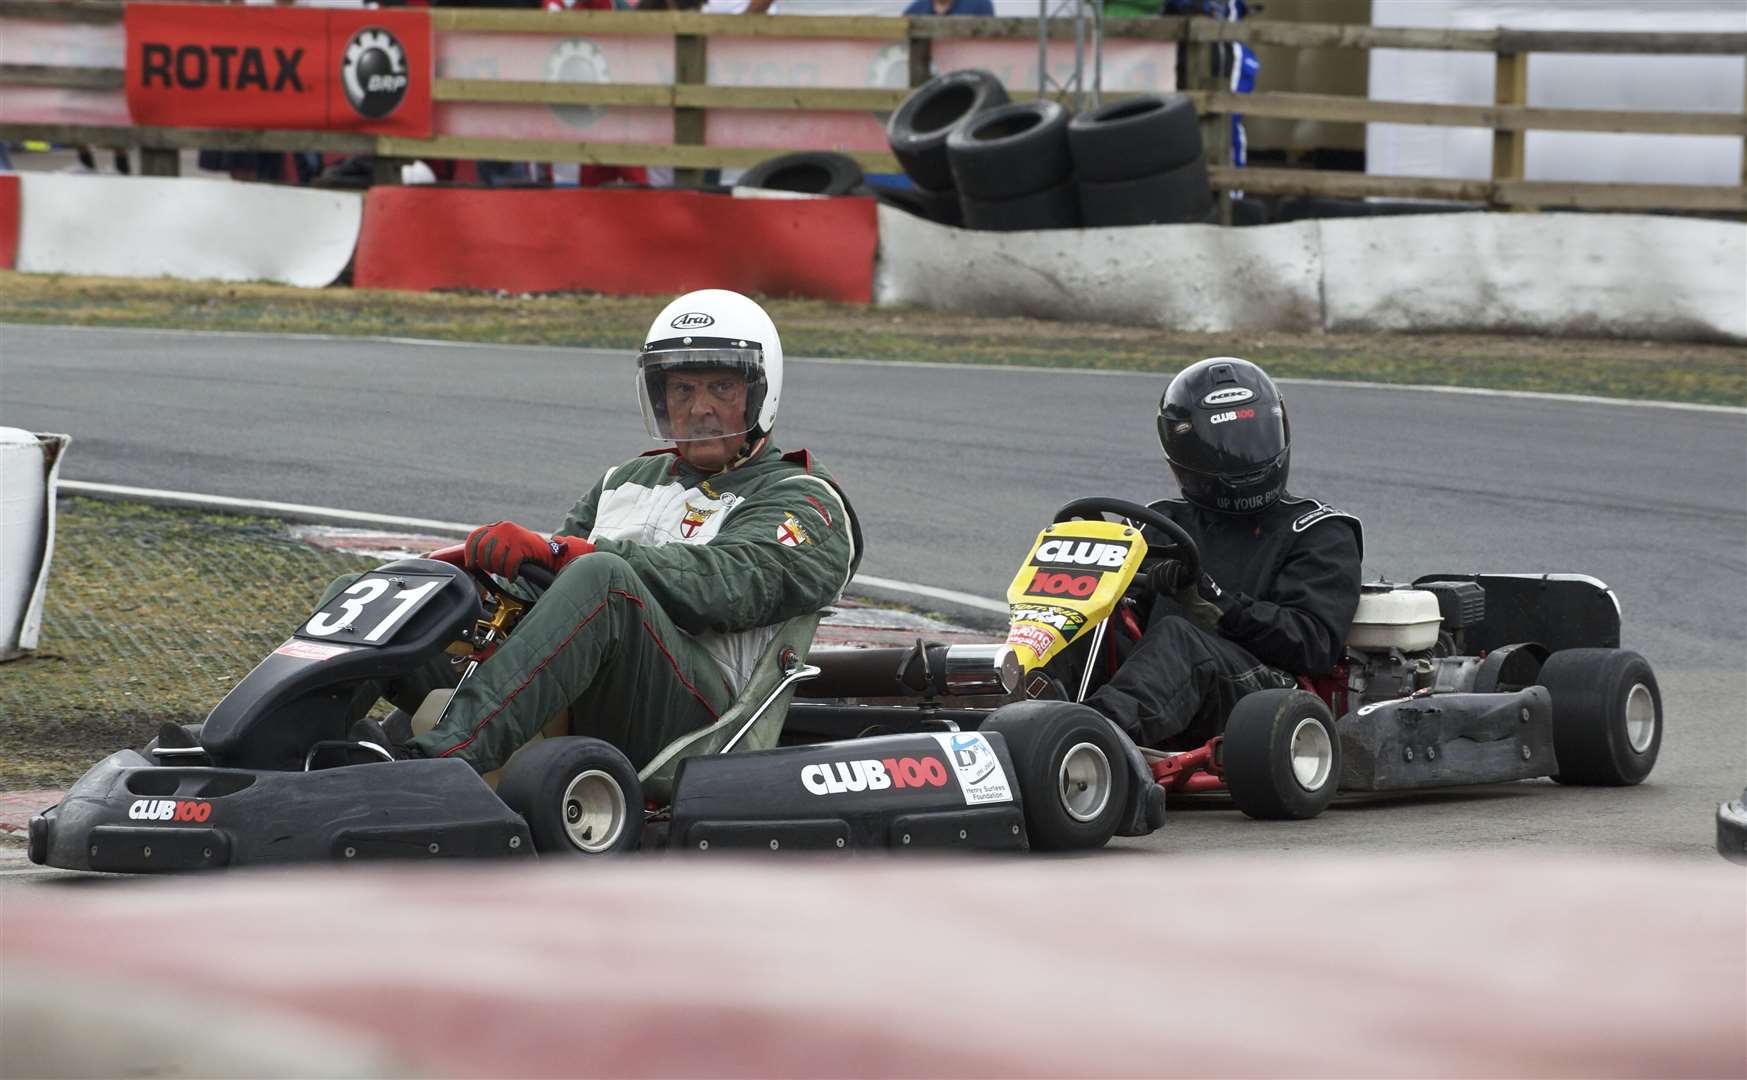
(1713,374)
(151,614)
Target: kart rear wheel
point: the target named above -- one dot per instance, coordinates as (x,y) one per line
(580,796)
(1281,756)
(1607,716)
(1071,768)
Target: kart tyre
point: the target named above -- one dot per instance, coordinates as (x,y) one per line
(1731,830)
(1010,151)
(917,132)
(1133,137)
(1607,716)
(580,796)
(1053,208)
(811,171)
(1281,756)
(1070,765)
(1181,194)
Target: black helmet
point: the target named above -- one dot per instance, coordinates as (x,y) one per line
(1223,425)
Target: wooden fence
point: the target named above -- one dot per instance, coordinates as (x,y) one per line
(691,98)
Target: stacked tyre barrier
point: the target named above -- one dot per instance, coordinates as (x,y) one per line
(809,172)
(1139,161)
(919,131)
(1012,168)
(982,162)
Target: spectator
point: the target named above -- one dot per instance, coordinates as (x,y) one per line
(951,7)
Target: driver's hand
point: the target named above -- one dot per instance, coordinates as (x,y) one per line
(1169,577)
(503,546)
(1198,594)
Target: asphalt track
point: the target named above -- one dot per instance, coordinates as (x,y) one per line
(952,471)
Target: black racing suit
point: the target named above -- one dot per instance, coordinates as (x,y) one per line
(1290,576)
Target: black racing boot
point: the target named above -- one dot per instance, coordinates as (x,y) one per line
(372,735)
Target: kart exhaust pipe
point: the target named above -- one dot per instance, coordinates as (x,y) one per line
(921,670)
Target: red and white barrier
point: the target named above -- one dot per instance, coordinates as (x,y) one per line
(9,219)
(625,242)
(1579,275)
(218,230)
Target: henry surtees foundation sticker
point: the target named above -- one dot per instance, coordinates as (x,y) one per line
(980,775)
(310,650)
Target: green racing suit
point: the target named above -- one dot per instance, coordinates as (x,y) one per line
(653,633)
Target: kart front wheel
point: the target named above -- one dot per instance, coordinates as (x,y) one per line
(1607,715)
(580,796)
(1281,757)
(1071,768)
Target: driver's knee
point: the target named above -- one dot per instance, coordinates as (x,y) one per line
(591,578)
(1175,632)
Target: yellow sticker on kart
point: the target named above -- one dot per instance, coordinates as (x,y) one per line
(1072,579)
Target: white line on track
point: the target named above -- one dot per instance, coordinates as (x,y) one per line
(1027,369)
(304,512)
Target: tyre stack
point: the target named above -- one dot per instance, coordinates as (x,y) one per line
(811,172)
(1139,161)
(1013,169)
(919,130)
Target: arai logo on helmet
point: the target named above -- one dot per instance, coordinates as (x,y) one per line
(692,320)
(1229,396)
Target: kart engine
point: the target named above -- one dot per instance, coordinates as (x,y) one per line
(1406,639)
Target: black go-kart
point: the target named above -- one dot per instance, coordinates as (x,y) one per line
(274,774)
(1457,679)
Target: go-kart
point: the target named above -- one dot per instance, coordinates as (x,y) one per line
(1456,679)
(276,773)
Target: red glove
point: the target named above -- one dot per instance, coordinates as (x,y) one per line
(501,547)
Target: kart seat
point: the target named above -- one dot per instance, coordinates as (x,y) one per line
(771,680)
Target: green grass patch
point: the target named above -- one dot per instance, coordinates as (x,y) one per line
(1713,374)
(151,614)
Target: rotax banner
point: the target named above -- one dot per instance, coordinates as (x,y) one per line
(306,69)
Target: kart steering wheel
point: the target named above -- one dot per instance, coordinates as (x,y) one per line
(1182,546)
(456,555)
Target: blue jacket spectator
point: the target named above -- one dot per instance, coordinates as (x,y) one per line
(951,7)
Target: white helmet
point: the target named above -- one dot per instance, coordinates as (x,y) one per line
(711,328)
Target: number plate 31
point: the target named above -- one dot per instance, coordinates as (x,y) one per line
(371,609)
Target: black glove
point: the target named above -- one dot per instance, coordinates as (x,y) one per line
(1199,594)
(1172,576)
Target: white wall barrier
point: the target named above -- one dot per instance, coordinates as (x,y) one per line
(1192,277)
(1579,275)
(215,230)
(29,466)
(1591,275)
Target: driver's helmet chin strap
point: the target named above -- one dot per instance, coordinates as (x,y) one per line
(747,452)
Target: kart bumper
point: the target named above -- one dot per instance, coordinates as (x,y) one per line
(1732,829)
(1444,740)
(131,815)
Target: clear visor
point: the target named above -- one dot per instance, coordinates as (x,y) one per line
(690,394)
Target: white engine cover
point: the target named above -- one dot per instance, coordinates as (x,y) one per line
(1404,619)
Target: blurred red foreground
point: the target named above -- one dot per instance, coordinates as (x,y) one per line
(1124,964)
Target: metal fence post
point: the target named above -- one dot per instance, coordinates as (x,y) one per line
(690,65)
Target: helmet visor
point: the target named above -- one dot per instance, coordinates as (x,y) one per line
(700,393)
